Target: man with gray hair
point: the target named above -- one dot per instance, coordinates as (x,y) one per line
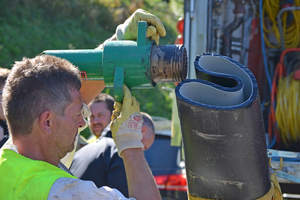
(99,161)
(148,131)
(43,106)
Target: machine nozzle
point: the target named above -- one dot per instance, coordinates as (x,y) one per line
(168,63)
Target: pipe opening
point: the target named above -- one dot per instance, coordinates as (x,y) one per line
(206,94)
(219,65)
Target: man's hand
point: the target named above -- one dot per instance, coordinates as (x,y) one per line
(128,30)
(126,124)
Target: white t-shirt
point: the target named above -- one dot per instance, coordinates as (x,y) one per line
(75,189)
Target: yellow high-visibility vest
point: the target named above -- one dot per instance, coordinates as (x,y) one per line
(24,178)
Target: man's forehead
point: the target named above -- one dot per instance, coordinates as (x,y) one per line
(99,107)
(98,104)
(76,100)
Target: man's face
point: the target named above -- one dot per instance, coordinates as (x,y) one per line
(67,125)
(99,119)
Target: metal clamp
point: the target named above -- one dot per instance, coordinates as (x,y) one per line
(280,165)
(281,155)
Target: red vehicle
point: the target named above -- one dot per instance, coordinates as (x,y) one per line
(166,164)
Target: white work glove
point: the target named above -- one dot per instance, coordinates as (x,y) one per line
(129,30)
(126,124)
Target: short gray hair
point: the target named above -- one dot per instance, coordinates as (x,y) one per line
(148,121)
(36,85)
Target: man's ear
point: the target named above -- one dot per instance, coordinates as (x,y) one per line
(45,121)
(144,130)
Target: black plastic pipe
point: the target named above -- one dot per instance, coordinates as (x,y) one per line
(223,131)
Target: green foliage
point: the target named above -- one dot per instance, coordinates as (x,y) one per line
(156,101)
(28,27)
(177,7)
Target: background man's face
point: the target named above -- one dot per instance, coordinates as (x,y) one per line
(99,119)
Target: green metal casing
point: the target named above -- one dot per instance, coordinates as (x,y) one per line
(89,62)
(119,62)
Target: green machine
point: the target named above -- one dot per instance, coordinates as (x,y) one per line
(139,64)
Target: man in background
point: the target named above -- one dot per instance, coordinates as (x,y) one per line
(101,107)
(100,162)
(3,127)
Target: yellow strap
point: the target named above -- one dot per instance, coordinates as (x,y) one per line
(269,195)
(273,194)
(277,189)
(190,197)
